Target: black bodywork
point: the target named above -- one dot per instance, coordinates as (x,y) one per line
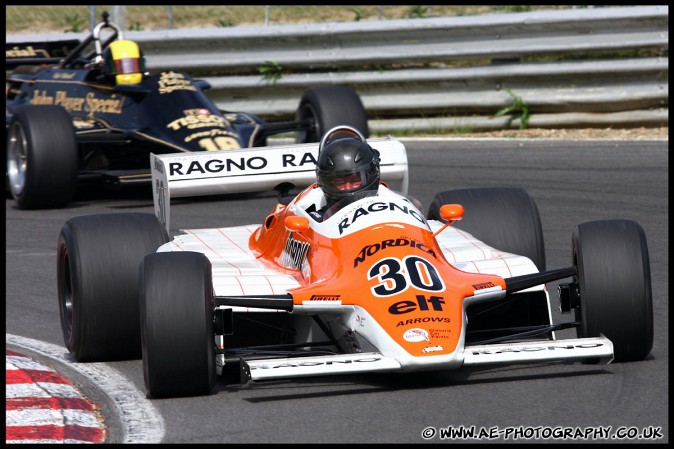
(116,127)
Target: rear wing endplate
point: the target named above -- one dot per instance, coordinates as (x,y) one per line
(256,169)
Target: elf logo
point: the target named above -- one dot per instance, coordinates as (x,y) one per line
(422,303)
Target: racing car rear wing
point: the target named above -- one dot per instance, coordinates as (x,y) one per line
(32,53)
(254,170)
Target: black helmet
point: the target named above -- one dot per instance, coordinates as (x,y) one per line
(347,165)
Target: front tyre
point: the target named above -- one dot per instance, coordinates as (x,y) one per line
(614,281)
(327,107)
(178,339)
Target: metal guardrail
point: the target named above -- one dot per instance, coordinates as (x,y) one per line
(441,73)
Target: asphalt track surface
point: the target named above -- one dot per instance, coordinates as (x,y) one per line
(571,182)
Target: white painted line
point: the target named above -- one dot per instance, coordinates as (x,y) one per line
(13,362)
(141,420)
(44,417)
(40,390)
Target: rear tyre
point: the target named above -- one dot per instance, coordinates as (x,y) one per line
(614,281)
(502,217)
(42,157)
(97,279)
(176,310)
(327,107)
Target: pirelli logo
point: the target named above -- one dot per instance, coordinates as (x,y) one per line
(324,298)
(483,285)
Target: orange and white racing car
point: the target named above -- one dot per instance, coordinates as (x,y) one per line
(376,287)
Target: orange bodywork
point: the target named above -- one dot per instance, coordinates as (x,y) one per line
(394,270)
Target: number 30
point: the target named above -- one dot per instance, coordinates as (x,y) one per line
(393,278)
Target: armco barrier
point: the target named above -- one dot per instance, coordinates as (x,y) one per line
(440,73)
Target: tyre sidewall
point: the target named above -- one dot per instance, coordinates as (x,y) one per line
(504,218)
(328,107)
(52,157)
(176,308)
(103,253)
(615,287)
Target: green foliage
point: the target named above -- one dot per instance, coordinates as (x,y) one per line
(513,8)
(417,11)
(49,18)
(463,130)
(518,109)
(272,71)
(136,26)
(224,23)
(413,132)
(625,54)
(75,23)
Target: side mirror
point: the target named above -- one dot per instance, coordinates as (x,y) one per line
(451,212)
(297,224)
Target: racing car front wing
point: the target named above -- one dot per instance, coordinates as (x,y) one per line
(598,349)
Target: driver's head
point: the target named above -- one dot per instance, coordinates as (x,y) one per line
(347,165)
(124,60)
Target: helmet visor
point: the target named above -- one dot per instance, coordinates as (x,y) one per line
(347,181)
(127,65)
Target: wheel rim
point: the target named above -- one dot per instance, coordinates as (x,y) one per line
(578,311)
(66,298)
(17,159)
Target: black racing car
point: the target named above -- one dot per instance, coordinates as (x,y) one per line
(87,109)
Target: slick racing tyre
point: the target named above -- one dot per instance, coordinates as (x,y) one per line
(614,283)
(97,273)
(176,308)
(504,218)
(42,157)
(327,107)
